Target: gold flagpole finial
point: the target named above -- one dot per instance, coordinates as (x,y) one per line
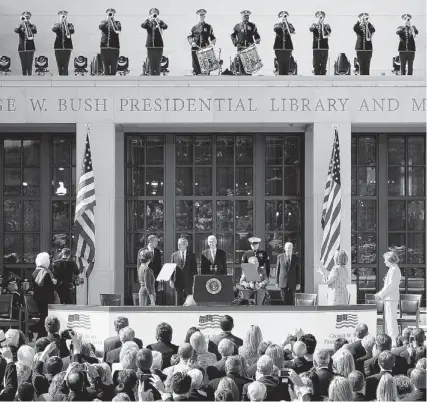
(88,125)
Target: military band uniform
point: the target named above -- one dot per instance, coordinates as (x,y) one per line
(288,276)
(406,48)
(110,46)
(63,46)
(283,46)
(320,48)
(26,47)
(183,277)
(244,35)
(202,35)
(154,44)
(364,47)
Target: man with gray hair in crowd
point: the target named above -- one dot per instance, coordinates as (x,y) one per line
(368,343)
(126,334)
(185,351)
(356,348)
(321,360)
(257,391)
(299,364)
(225,349)
(357,381)
(418,379)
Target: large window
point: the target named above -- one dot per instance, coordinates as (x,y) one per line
(388,209)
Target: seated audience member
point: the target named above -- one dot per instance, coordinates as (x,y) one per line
(298,364)
(201,357)
(321,369)
(126,334)
(310,343)
(386,390)
(386,361)
(54,392)
(217,370)
(418,379)
(122,397)
(263,346)
(25,392)
(339,343)
(180,385)
(404,386)
(383,343)
(402,342)
(164,343)
(54,366)
(343,363)
(25,354)
(227,384)
(257,391)
(40,386)
(52,326)
(76,385)
(212,347)
(356,348)
(144,361)
(197,392)
(358,385)
(250,345)
(227,325)
(340,390)
(185,352)
(368,343)
(276,354)
(126,383)
(416,350)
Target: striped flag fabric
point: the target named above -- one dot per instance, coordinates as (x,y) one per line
(331,213)
(78,321)
(85,216)
(346,321)
(209,321)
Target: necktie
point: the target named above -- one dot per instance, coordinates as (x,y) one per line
(183,258)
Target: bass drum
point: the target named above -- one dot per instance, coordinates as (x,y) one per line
(250,59)
(207,60)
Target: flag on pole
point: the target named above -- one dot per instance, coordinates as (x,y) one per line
(85,216)
(331,213)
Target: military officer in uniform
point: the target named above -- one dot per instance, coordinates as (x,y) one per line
(154,43)
(283,45)
(63,43)
(26,47)
(263,258)
(364,31)
(244,35)
(321,33)
(201,36)
(407,34)
(110,43)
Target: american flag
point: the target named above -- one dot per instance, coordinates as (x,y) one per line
(331,213)
(78,321)
(85,217)
(209,321)
(346,321)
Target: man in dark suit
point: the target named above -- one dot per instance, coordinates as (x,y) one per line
(356,348)
(299,364)
(233,370)
(64,270)
(126,334)
(261,255)
(164,344)
(386,361)
(383,343)
(321,368)
(288,274)
(156,262)
(226,349)
(418,379)
(114,341)
(276,389)
(214,260)
(186,269)
(227,325)
(144,360)
(368,343)
(357,381)
(364,31)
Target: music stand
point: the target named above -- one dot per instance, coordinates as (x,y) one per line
(250,271)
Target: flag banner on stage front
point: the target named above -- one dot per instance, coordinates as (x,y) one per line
(331,213)
(84,245)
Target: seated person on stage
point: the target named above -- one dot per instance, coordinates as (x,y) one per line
(258,287)
(147,291)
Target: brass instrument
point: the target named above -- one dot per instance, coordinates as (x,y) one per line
(65,26)
(28,33)
(112,22)
(411,28)
(365,27)
(287,25)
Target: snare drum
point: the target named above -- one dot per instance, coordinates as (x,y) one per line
(207,60)
(250,59)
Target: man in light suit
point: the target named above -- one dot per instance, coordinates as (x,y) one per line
(214,260)
(186,269)
(288,275)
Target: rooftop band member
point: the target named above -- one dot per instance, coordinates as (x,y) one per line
(364,31)
(244,35)
(154,43)
(261,255)
(26,48)
(201,36)
(407,34)
(283,45)
(321,33)
(63,43)
(288,274)
(214,260)
(110,42)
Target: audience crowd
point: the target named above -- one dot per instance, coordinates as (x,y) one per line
(63,367)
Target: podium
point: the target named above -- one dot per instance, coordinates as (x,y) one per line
(213,290)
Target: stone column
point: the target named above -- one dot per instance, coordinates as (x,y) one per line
(107,147)
(318,148)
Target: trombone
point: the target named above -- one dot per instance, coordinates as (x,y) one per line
(65,26)
(28,33)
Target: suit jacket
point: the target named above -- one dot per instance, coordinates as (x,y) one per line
(262,256)
(361,42)
(276,390)
(358,396)
(228,335)
(10,383)
(371,366)
(283,39)
(184,275)
(244,34)
(113,356)
(238,379)
(154,35)
(357,350)
(201,34)
(166,350)
(220,262)
(64,270)
(299,365)
(418,395)
(109,38)
(217,370)
(61,40)
(406,40)
(114,343)
(360,362)
(372,384)
(155,264)
(288,274)
(325,377)
(24,43)
(319,40)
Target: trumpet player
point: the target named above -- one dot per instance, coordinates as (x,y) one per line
(364,31)
(407,34)
(283,45)
(110,42)
(201,36)
(63,43)
(154,27)
(244,35)
(321,33)
(26,47)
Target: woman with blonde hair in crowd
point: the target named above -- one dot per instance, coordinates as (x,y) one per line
(386,390)
(276,353)
(340,390)
(201,356)
(227,383)
(249,349)
(343,362)
(337,279)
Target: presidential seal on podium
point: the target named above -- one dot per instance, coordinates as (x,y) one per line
(213,286)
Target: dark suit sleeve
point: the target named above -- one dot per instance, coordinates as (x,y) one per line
(71,28)
(267,264)
(103,25)
(234,36)
(371,27)
(163,25)
(278,269)
(145,24)
(367,368)
(256,33)
(10,383)
(56,28)
(357,28)
(211,35)
(298,268)
(225,262)
(204,264)
(291,29)
(415,30)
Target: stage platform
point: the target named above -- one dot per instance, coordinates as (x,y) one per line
(327,323)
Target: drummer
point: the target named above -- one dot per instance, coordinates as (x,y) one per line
(244,35)
(201,36)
